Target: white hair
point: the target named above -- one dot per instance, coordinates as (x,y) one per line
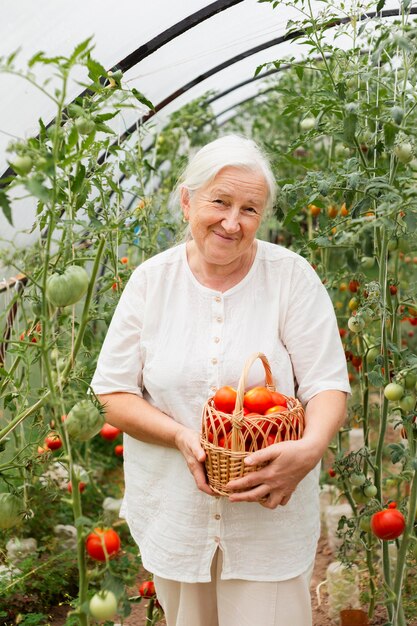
(226,151)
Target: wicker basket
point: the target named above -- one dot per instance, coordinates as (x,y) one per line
(244,434)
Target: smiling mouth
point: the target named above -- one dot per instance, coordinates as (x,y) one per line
(225,237)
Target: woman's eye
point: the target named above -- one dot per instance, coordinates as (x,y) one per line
(218,201)
(250,209)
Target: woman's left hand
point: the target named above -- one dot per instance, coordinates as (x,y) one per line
(288,463)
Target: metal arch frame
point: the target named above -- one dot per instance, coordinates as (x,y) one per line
(243,55)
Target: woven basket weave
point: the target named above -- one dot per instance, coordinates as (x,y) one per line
(244,434)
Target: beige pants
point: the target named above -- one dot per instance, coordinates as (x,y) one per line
(235,602)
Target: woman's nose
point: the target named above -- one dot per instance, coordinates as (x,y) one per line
(230,221)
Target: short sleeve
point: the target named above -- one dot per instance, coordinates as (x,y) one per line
(119,365)
(311,336)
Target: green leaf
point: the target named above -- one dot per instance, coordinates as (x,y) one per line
(141,98)
(37,189)
(360,206)
(79,50)
(380,5)
(95,70)
(411,220)
(79,178)
(397,451)
(5,205)
(390,131)
(299,70)
(83,520)
(375,379)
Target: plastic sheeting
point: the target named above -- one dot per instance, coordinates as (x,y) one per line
(119,29)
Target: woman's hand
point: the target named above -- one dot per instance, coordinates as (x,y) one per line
(288,463)
(188,443)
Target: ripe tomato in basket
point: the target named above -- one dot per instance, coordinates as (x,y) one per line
(275,409)
(279,399)
(258,400)
(224,399)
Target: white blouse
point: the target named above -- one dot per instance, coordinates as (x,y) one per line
(173,342)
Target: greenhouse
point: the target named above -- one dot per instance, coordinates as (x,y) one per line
(208,288)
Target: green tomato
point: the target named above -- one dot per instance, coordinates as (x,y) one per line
(10,510)
(404,152)
(367,262)
(410,380)
(359,496)
(407,403)
(357,479)
(83,421)
(356,323)
(22,164)
(307,123)
(370,491)
(393,392)
(103,605)
(365,523)
(372,355)
(68,287)
(84,125)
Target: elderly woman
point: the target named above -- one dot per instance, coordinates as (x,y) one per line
(186,323)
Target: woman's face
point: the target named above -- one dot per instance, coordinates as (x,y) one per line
(225,214)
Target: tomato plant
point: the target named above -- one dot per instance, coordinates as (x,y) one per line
(102,541)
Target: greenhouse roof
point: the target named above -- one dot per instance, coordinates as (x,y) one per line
(171,52)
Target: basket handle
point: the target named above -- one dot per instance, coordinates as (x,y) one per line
(269,381)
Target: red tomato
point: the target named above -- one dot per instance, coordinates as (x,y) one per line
(225,399)
(147,589)
(278,398)
(258,400)
(53,441)
(100,539)
(388,524)
(110,432)
(353,286)
(275,409)
(118,450)
(81,486)
(332,472)
(270,440)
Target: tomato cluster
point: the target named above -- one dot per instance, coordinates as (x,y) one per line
(255,431)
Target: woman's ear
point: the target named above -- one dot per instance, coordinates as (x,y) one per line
(185,202)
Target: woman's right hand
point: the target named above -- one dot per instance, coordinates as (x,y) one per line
(188,443)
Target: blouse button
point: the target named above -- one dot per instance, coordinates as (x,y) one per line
(217,539)
(214,361)
(213,388)
(219,319)
(216,339)
(217,299)
(217,516)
